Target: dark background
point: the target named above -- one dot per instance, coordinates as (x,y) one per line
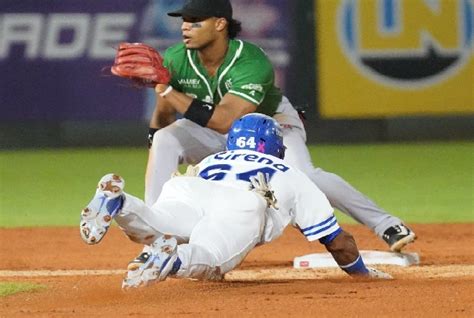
(77,103)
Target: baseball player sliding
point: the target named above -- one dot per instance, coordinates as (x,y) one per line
(205,223)
(213,78)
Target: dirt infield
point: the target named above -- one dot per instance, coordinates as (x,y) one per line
(85,280)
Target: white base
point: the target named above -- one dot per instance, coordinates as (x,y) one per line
(318,260)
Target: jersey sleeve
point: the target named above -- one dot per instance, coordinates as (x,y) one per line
(312,211)
(252,77)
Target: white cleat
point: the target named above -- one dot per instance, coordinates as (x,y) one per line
(99,213)
(162,261)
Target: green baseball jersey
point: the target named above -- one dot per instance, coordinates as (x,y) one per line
(246,72)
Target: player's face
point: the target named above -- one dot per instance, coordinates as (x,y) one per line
(198,33)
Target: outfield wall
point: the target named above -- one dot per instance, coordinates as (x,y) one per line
(364,71)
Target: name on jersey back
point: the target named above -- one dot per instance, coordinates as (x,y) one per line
(251,157)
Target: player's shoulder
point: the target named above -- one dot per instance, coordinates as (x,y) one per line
(249,50)
(251,61)
(176,51)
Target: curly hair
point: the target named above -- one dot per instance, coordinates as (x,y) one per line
(234,27)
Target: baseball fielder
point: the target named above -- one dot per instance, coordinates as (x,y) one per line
(240,198)
(211,79)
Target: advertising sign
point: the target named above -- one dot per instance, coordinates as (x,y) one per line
(55,55)
(384,58)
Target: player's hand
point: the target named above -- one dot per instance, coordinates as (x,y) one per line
(260,185)
(140,63)
(191,171)
(378,274)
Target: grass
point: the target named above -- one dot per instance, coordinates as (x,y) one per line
(7,289)
(50,187)
(422,183)
(419,182)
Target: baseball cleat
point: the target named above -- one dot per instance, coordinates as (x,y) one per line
(140,259)
(99,213)
(162,261)
(398,236)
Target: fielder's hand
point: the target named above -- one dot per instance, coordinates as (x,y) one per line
(259,184)
(140,63)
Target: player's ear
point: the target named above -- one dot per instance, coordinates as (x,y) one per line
(221,24)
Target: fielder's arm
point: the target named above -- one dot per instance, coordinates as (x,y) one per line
(163,115)
(218,118)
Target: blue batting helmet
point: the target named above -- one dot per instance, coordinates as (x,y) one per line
(257,132)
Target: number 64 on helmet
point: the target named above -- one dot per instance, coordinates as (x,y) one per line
(257,132)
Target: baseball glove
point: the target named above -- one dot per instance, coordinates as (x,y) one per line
(259,184)
(140,63)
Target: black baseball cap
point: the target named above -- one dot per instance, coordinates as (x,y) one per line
(205,9)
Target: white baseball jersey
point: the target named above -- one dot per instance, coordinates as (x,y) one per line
(220,220)
(299,201)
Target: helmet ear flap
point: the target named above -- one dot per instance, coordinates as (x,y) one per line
(282,152)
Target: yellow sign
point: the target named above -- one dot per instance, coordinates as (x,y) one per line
(385,58)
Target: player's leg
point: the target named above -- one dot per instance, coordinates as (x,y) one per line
(140,222)
(181,142)
(218,243)
(174,213)
(231,228)
(143,224)
(341,194)
(345,197)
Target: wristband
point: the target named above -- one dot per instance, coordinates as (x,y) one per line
(199,112)
(151,133)
(357,267)
(166,91)
(329,238)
